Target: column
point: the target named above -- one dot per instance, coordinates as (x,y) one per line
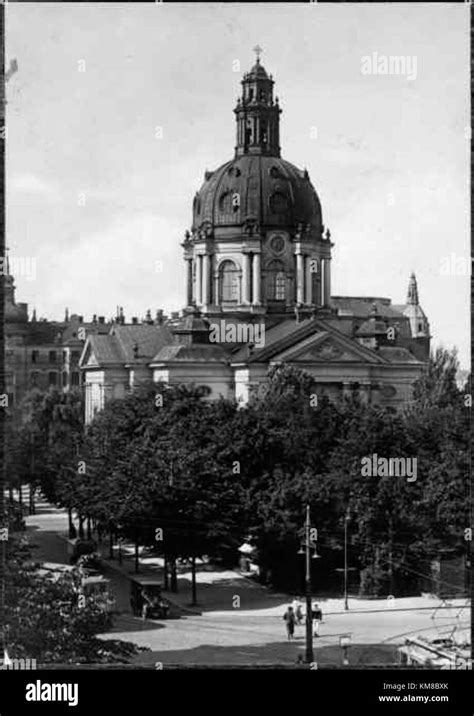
(216,288)
(327,282)
(257,277)
(206,275)
(299,278)
(189,281)
(323,281)
(246,278)
(309,282)
(198,280)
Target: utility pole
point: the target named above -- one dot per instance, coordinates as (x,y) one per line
(346,601)
(309,606)
(306,550)
(390,553)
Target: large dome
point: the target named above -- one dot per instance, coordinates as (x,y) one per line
(267,189)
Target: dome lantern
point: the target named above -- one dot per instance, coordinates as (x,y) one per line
(257,114)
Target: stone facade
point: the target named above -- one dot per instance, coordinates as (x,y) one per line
(258,291)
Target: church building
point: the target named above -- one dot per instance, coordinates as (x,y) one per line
(258,291)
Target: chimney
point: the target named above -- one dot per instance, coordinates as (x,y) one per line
(159,317)
(94,318)
(80,319)
(135,320)
(101,319)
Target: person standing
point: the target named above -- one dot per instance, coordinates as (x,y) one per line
(290,619)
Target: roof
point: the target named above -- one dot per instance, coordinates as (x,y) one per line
(283,334)
(119,346)
(106,349)
(396,354)
(270,189)
(288,333)
(362,307)
(150,339)
(195,353)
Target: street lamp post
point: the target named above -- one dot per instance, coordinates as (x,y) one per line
(346,602)
(309,610)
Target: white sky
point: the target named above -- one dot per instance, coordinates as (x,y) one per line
(390,162)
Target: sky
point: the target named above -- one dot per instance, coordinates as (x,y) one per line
(116,111)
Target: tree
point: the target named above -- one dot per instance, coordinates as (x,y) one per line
(47,621)
(437,383)
(50,437)
(160,467)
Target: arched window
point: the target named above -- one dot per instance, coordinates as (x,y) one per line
(276,281)
(249,132)
(229,282)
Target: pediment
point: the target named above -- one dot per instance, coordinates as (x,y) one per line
(326,347)
(327,351)
(88,358)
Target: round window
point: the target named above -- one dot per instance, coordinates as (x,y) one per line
(277,244)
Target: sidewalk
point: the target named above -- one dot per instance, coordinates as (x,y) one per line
(220,590)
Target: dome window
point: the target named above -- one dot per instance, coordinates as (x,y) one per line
(276,281)
(279,202)
(225,202)
(229,282)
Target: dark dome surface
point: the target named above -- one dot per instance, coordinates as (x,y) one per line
(268,189)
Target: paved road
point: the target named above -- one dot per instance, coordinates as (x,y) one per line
(239,635)
(242,637)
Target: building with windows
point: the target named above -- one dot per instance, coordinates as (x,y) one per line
(45,354)
(258,264)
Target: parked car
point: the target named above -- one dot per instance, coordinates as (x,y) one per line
(79,547)
(146,599)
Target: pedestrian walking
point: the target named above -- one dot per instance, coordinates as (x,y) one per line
(290,619)
(317,615)
(298,610)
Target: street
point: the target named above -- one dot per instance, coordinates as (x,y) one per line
(239,622)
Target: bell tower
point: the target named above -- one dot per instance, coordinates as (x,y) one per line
(257,114)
